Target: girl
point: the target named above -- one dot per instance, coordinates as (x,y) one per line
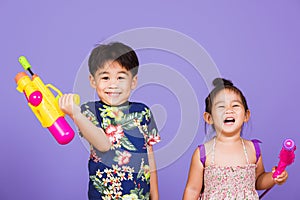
(228,166)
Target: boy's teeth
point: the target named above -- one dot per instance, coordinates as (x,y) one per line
(113,93)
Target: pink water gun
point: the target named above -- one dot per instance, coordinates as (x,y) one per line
(286,157)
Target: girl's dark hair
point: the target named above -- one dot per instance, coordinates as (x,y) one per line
(221,84)
(115,51)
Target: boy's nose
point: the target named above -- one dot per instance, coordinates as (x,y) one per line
(113,83)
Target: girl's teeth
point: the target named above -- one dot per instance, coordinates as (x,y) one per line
(229,120)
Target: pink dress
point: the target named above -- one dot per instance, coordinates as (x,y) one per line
(229,183)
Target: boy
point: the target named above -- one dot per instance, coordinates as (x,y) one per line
(121,133)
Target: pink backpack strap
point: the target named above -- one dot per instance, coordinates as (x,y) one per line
(257,148)
(202,154)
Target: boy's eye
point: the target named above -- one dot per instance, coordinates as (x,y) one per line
(105,78)
(221,106)
(120,78)
(236,105)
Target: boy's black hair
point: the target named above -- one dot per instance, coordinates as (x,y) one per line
(115,51)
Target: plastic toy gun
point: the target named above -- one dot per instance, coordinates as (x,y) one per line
(286,156)
(43,103)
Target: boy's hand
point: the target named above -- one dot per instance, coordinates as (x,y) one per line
(281,178)
(68,106)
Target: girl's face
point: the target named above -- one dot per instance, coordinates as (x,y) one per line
(228,113)
(113,83)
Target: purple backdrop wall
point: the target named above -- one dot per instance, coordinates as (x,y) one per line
(255,44)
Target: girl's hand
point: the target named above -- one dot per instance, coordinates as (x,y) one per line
(281,178)
(68,106)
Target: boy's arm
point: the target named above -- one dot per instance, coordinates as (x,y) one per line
(94,135)
(265,180)
(195,179)
(154,195)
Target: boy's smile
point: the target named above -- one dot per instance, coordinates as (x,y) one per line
(113,83)
(113,94)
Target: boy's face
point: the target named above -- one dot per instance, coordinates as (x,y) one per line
(113,83)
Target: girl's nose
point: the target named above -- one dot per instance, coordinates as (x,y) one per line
(229,111)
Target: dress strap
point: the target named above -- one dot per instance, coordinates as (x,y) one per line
(202,154)
(257,148)
(245,151)
(213,152)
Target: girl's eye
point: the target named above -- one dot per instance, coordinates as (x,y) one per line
(221,106)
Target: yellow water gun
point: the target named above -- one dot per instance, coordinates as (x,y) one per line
(44,104)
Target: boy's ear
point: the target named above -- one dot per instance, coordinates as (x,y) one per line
(92,81)
(247,116)
(207,117)
(134,82)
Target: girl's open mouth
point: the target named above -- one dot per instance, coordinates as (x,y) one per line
(229,120)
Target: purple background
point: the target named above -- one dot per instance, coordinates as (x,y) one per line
(256,44)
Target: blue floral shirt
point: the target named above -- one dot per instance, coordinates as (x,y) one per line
(122,172)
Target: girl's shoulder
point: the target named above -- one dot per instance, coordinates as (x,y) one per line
(206,145)
(252,142)
(203,149)
(254,146)
(209,142)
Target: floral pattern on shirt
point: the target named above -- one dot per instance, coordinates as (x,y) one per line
(123,172)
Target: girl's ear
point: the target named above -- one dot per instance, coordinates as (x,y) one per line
(207,117)
(247,116)
(92,81)
(134,82)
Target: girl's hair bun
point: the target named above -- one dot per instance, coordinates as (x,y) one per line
(222,82)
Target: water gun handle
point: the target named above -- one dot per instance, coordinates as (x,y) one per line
(280,168)
(76,97)
(286,156)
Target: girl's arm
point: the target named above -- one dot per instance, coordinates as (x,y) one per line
(265,180)
(154,195)
(94,135)
(195,178)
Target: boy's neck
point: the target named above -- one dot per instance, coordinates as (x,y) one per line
(126,103)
